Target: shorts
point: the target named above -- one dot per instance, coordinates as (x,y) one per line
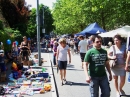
(62,64)
(25,58)
(25,55)
(82,55)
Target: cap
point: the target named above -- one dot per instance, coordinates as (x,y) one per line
(1,51)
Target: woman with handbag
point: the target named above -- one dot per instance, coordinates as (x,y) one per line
(118,52)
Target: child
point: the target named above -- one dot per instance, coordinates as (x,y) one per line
(62,51)
(2,66)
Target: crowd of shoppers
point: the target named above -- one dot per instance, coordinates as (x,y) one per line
(95,62)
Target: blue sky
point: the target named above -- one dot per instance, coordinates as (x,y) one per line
(48,3)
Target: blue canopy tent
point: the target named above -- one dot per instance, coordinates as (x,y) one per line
(92,29)
(78,34)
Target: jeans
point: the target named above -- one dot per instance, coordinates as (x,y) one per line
(129,77)
(101,82)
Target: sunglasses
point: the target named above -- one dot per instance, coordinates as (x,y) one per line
(98,42)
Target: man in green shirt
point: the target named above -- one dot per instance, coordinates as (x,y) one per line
(95,73)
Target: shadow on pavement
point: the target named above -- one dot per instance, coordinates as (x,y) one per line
(70,66)
(76,84)
(75,69)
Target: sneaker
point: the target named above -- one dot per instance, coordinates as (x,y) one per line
(122,93)
(61,83)
(65,81)
(117,94)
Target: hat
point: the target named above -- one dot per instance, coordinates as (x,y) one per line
(1,51)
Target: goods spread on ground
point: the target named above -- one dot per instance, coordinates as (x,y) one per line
(26,81)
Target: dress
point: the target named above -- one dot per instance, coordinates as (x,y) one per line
(119,69)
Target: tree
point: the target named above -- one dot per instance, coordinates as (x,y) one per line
(16,12)
(72,16)
(48,21)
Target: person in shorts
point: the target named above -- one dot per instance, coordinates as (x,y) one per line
(25,50)
(61,57)
(82,46)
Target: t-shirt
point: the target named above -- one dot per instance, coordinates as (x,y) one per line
(83,46)
(96,59)
(62,53)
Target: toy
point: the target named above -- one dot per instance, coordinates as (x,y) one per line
(42,91)
(47,87)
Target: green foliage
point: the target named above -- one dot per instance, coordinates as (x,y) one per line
(1,25)
(72,16)
(4,37)
(48,21)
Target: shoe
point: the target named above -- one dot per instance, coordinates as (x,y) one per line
(61,83)
(122,92)
(65,81)
(117,94)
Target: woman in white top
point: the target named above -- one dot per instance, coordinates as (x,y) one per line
(61,57)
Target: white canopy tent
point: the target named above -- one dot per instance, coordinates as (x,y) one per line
(121,31)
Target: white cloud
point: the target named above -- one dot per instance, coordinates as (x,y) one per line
(48,3)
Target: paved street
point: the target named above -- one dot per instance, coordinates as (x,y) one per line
(76,85)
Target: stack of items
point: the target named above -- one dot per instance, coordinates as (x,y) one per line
(28,82)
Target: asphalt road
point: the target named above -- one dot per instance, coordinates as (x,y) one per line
(76,85)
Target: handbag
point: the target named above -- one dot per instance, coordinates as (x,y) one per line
(113,62)
(128,69)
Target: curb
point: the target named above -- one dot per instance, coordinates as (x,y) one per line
(53,81)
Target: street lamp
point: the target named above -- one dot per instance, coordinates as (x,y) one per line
(43,30)
(38,35)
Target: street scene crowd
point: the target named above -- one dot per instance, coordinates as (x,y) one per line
(101,64)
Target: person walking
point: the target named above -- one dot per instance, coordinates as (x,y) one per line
(90,42)
(118,71)
(95,73)
(82,47)
(55,45)
(61,57)
(72,46)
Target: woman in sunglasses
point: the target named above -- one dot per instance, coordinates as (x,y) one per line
(118,52)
